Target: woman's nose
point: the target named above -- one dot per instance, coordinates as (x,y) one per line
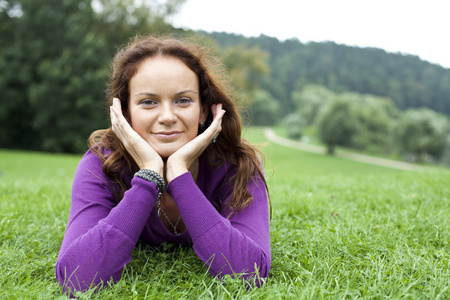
(167,115)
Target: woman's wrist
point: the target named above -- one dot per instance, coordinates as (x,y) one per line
(153,167)
(174,173)
(173,170)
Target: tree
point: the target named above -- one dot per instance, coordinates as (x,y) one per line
(336,123)
(294,126)
(244,66)
(309,100)
(374,116)
(55,69)
(422,132)
(41,30)
(121,19)
(265,109)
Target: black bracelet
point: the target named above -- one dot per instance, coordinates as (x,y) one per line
(154,177)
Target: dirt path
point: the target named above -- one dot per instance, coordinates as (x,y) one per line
(271,136)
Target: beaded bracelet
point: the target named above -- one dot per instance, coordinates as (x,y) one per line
(154,177)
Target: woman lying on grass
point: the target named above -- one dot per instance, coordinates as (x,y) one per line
(163,173)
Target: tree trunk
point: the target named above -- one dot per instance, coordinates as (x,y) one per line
(330,149)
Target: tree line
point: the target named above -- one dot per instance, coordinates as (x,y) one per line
(406,79)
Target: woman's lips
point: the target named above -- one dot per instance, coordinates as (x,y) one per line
(167,135)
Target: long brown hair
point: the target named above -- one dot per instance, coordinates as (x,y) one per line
(230,147)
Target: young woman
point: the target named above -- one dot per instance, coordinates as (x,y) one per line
(171,168)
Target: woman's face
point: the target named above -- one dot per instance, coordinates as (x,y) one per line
(164,104)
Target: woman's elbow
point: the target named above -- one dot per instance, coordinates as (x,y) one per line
(256,269)
(81,279)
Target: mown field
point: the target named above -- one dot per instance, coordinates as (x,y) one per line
(340,229)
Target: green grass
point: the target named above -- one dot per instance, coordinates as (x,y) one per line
(340,229)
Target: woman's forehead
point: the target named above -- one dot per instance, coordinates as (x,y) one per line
(158,73)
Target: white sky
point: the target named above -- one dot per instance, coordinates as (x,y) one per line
(418,27)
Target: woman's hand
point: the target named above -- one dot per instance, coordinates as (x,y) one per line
(143,154)
(180,161)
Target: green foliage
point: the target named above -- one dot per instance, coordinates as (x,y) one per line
(407,80)
(245,65)
(122,19)
(294,126)
(309,99)
(336,124)
(265,109)
(51,104)
(422,132)
(370,117)
(374,116)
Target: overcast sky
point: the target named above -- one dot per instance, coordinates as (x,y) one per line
(413,27)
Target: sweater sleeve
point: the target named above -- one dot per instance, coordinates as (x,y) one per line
(101,235)
(238,244)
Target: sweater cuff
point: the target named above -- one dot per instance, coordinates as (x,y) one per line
(133,211)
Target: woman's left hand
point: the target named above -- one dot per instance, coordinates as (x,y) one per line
(180,161)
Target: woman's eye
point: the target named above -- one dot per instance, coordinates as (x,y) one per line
(183,101)
(148,102)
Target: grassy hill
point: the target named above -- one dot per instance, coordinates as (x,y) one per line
(339,229)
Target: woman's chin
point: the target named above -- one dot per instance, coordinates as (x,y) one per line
(167,152)
(165,155)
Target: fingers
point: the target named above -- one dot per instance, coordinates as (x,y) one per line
(115,111)
(116,104)
(216,109)
(218,114)
(216,125)
(119,124)
(117,117)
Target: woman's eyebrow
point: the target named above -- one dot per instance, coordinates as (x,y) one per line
(186,91)
(153,95)
(146,94)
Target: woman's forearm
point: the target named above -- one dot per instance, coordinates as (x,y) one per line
(99,240)
(236,245)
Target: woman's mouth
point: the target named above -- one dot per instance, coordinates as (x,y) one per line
(167,135)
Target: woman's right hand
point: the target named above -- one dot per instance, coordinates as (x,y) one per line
(143,154)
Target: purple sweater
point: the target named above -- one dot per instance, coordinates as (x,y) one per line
(101,235)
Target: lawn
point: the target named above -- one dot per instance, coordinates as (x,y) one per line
(340,229)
